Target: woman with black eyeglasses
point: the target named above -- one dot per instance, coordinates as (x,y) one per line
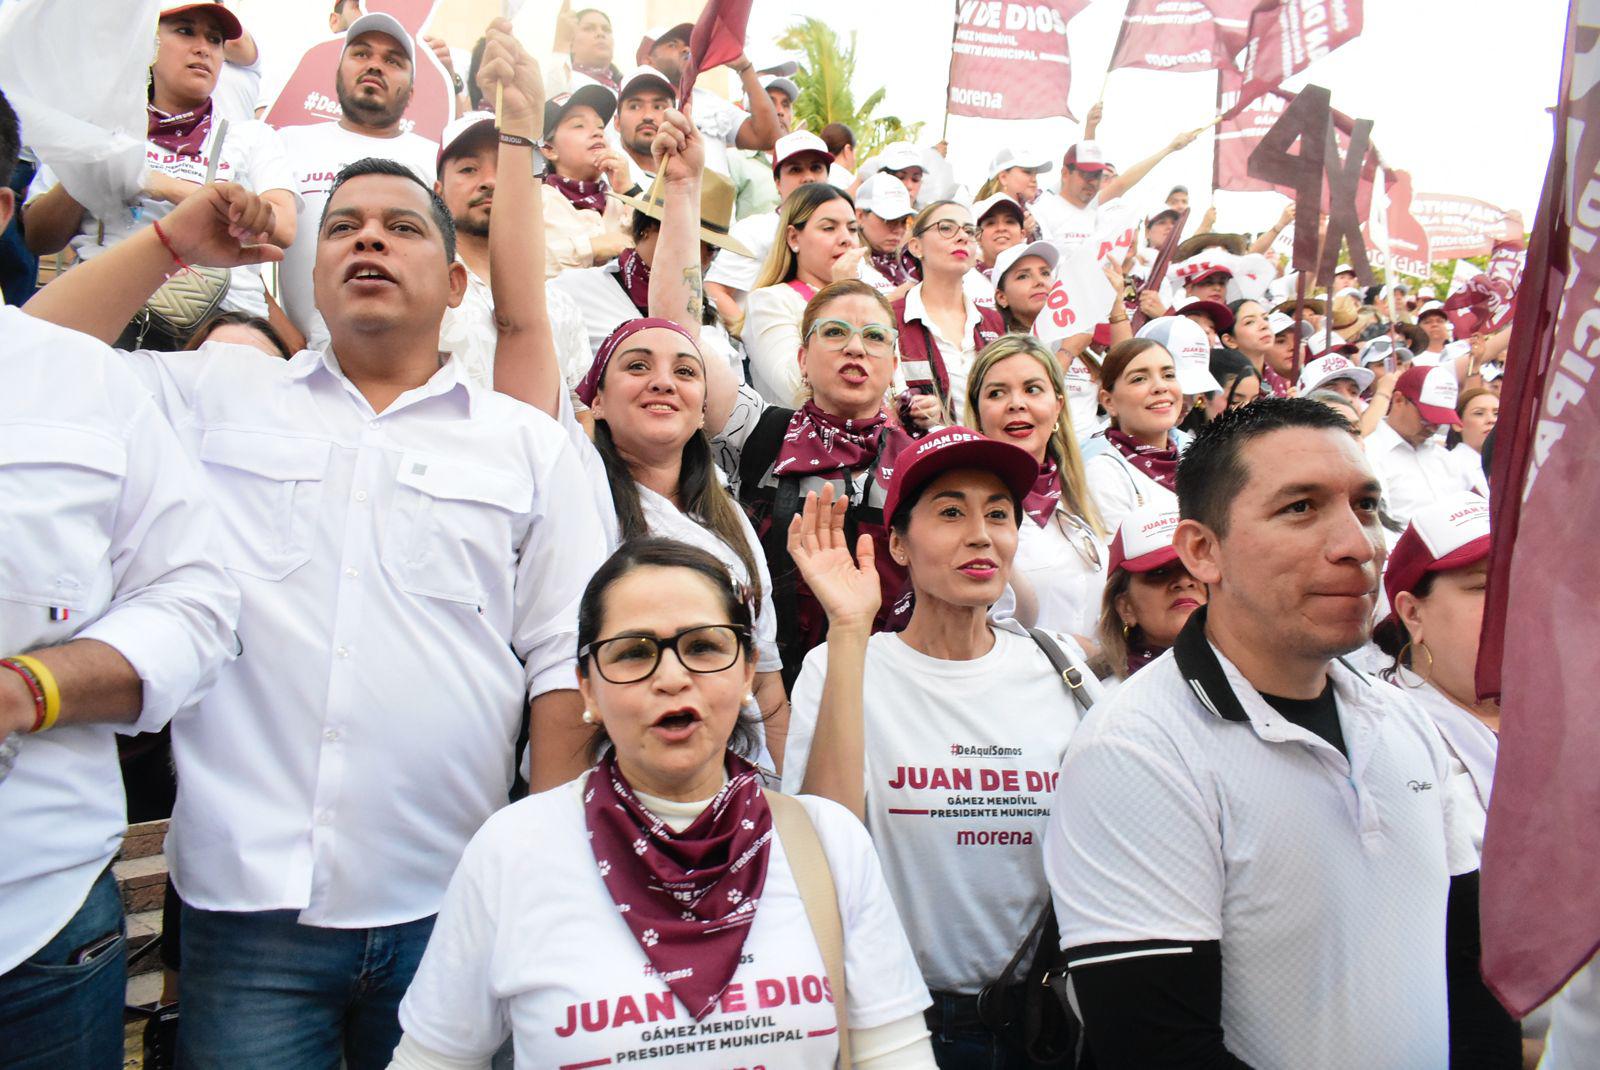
(650,911)
(942,329)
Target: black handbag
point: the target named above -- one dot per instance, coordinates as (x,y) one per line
(1033,1017)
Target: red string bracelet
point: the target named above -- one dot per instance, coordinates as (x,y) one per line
(176,259)
(35,689)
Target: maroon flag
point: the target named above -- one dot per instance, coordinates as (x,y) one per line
(1287,36)
(1010,60)
(1541,851)
(1182,35)
(310,95)
(1464,226)
(1407,240)
(718,38)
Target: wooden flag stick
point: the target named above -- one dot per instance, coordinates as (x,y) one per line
(499,101)
(1214,121)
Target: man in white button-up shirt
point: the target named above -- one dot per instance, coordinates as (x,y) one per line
(411,550)
(109,593)
(1414,468)
(1253,858)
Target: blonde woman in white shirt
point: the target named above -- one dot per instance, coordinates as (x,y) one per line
(957,717)
(654,896)
(816,244)
(1016,394)
(1133,463)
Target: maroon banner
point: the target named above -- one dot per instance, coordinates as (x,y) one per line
(1408,241)
(1182,35)
(717,38)
(1287,36)
(310,95)
(1010,60)
(1541,851)
(1464,226)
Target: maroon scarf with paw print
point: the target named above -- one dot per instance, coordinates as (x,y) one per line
(183,134)
(821,444)
(1159,464)
(688,897)
(590,195)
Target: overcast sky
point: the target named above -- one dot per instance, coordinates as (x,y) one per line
(1457,89)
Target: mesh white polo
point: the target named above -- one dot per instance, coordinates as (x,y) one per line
(1326,881)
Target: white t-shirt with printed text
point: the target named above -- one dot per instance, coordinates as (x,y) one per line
(961,764)
(529,943)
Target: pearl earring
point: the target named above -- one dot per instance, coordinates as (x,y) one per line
(750,698)
(588,717)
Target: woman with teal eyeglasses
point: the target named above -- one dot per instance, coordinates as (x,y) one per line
(844,434)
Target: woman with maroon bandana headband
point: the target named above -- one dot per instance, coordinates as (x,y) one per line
(180,140)
(1134,462)
(647,911)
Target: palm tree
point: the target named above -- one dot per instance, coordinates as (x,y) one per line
(825,94)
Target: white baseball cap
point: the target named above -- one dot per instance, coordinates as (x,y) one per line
(1190,348)
(1009,256)
(1203,265)
(1318,346)
(1086,156)
(1378,350)
(471,124)
(988,204)
(1143,542)
(640,75)
(1324,370)
(885,196)
(1429,307)
(898,156)
(382,22)
(796,144)
(1278,322)
(1024,157)
(1344,269)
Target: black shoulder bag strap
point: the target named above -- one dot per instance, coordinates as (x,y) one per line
(755,461)
(1041,1024)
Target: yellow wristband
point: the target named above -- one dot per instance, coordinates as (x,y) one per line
(52,692)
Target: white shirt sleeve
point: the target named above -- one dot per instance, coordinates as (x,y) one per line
(772,339)
(173,611)
(267,163)
(803,703)
(566,546)
(1131,852)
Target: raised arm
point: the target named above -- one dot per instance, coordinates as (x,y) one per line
(525,365)
(1263,243)
(221,225)
(850,593)
(1126,180)
(760,131)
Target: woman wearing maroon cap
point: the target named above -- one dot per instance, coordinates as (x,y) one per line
(1134,462)
(659,894)
(1148,593)
(180,145)
(943,738)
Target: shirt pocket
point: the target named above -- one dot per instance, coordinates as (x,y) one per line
(454,528)
(269,491)
(61,486)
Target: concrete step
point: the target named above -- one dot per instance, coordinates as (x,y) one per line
(142,881)
(144,839)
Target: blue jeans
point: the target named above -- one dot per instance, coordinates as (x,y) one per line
(60,1013)
(960,1042)
(263,992)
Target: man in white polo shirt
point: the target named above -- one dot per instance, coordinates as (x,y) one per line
(410,550)
(1072,216)
(1253,857)
(112,616)
(374,83)
(1413,467)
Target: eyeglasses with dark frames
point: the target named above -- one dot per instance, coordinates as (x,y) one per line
(628,659)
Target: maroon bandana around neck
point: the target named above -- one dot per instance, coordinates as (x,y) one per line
(1041,502)
(688,897)
(819,443)
(635,276)
(1141,654)
(1159,464)
(583,195)
(899,268)
(606,76)
(184,134)
(1276,385)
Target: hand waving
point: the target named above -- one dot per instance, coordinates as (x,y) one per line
(847,588)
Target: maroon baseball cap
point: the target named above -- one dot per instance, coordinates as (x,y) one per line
(1433,391)
(957,447)
(1143,542)
(1221,318)
(232,29)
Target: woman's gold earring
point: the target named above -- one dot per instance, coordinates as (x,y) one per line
(1127,630)
(1422,645)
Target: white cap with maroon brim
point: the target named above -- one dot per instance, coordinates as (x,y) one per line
(464,128)
(1324,370)
(1203,266)
(993,201)
(885,196)
(1433,391)
(1044,250)
(642,77)
(1143,543)
(1449,533)
(798,144)
(1190,348)
(382,22)
(1318,346)
(1086,156)
(232,28)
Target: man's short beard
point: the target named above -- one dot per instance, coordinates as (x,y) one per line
(641,144)
(371,113)
(468,223)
